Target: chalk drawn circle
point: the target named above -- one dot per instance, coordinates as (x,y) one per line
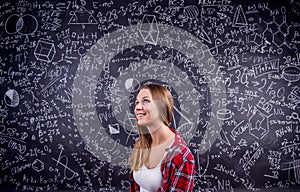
(12,98)
(24,25)
(11,24)
(89,125)
(29,24)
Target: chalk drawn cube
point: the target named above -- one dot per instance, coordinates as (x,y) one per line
(44,51)
(38,165)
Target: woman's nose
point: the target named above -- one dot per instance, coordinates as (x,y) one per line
(138,106)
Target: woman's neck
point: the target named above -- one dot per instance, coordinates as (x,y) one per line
(161,135)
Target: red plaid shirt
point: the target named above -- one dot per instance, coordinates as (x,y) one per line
(178,168)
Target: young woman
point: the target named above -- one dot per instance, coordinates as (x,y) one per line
(160,160)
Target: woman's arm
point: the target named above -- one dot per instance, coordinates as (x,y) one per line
(134,186)
(183,177)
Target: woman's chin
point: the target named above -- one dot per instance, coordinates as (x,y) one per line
(140,123)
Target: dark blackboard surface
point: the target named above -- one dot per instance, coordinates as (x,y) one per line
(69,72)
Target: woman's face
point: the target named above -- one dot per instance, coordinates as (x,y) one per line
(146,111)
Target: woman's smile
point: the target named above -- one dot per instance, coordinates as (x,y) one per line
(139,115)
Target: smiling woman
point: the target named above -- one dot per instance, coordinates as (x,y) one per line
(160,160)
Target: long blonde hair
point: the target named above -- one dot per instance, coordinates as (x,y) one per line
(164,102)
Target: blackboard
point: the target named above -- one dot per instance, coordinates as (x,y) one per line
(69,72)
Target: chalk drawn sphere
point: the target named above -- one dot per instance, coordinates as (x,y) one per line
(191,12)
(12,98)
(130,84)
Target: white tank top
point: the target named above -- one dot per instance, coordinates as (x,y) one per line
(149,180)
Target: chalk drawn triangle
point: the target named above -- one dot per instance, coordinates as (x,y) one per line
(114,129)
(203,35)
(82,17)
(223,137)
(239,19)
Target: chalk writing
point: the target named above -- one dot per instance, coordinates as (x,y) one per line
(69,73)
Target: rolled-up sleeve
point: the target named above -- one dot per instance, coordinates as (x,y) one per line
(180,173)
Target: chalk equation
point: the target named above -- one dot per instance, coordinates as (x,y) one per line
(70,70)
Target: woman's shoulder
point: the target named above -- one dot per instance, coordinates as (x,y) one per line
(184,152)
(179,151)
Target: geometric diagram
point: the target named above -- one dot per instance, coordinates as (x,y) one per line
(44,51)
(223,137)
(258,124)
(129,125)
(114,128)
(239,19)
(276,32)
(186,128)
(149,34)
(113,44)
(203,35)
(12,98)
(218,43)
(130,84)
(224,114)
(38,165)
(82,17)
(191,12)
(257,39)
(291,73)
(68,172)
(24,25)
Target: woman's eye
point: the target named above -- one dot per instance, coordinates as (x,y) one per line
(145,101)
